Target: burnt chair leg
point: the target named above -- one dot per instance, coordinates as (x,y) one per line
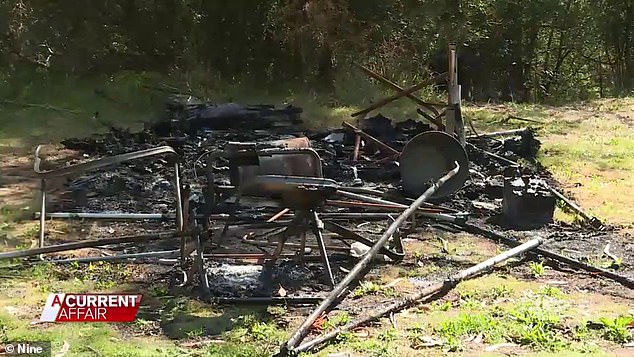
(302,246)
(318,227)
(199,264)
(232,216)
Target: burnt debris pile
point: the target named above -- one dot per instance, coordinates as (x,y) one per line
(262,208)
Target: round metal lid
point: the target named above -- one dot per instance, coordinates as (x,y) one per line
(428,157)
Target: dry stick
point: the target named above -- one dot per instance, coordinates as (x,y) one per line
(42,106)
(400,94)
(433,290)
(88,244)
(624,280)
(521,119)
(302,331)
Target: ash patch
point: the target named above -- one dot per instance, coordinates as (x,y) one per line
(238,280)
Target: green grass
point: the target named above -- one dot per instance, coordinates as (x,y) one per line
(372,288)
(537,269)
(86,339)
(617,329)
(336,320)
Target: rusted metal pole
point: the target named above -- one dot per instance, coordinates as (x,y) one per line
(389,83)
(339,203)
(423,213)
(357,147)
(278,215)
(429,291)
(164,253)
(400,94)
(361,266)
(593,221)
(369,137)
(454,124)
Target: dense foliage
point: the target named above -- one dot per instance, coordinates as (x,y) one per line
(536,50)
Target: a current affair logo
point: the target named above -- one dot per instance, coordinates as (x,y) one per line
(91,307)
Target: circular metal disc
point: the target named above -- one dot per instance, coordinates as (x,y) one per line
(428,157)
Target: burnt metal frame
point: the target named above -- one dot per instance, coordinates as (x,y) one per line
(101,163)
(303,218)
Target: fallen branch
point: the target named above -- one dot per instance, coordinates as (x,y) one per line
(427,293)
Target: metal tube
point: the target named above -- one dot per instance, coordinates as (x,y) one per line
(106,215)
(317,230)
(357,146)
(88,244)
(421,212)
(354,204)
(368,191)
(295,245)
(179,199)
(431,290)
(361,266)
(595,222)
(499,133)
(116,257)
(99,163)
(382,79)
(42,211)
(359,215)
(278,215)
(179,211)
(510,162)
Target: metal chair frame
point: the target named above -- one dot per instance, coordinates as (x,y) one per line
(70,170)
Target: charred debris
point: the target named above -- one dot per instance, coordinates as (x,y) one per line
(245,205)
